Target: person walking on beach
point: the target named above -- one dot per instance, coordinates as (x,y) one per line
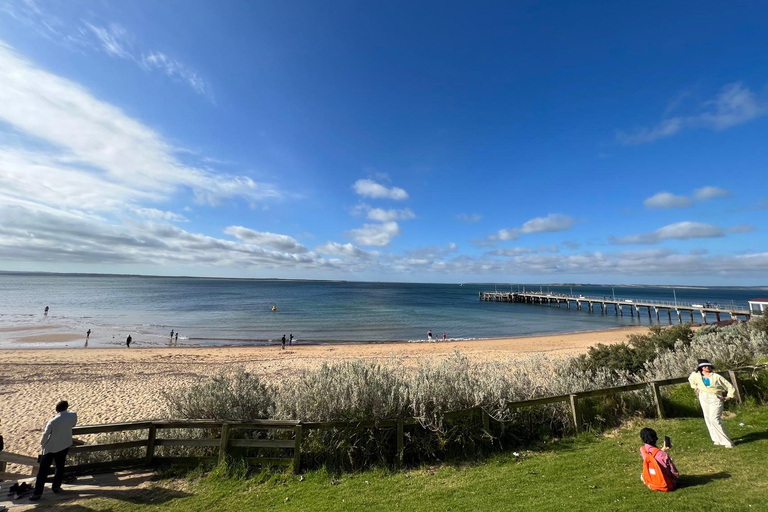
(710,388)
(290,339)
(46,310)
(429,335)
(171,334)
(177,338)
(443,336)
(87,335)
(56,440)
(128,341)
(283,347)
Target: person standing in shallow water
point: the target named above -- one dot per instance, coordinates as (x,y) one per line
(128,341)
(283,347)
(46,310)
(713,391)
(290,339)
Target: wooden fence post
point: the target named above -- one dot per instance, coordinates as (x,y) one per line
(575,411)
(298,429)
(735,383)
(223,442)
(151,444)
(657,400)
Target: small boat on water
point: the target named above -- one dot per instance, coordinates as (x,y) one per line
(274,307)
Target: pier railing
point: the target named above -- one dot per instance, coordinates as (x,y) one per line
(287,435)
(730,305)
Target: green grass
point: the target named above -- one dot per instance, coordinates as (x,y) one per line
(589,472)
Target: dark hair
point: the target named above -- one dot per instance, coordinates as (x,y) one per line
(648,435)
(703,363)
(62,406)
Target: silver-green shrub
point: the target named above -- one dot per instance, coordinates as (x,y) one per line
(364,390)
(233,394)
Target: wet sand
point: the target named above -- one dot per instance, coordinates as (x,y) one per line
(105,385)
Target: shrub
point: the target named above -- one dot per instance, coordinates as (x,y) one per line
(363,390)
(231,395)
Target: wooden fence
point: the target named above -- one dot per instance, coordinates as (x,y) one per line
(19,460)
(225,443)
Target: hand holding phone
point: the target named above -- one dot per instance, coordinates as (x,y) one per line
(667,442)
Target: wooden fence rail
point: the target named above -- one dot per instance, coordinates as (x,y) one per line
(224,444)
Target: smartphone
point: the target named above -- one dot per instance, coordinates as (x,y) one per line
(667,442)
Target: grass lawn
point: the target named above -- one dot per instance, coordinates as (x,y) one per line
(590,472)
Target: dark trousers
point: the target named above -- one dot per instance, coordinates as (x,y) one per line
(45,466)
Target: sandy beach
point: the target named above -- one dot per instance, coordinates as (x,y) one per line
(107,385)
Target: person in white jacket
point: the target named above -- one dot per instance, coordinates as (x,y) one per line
(712,390)
(56,440)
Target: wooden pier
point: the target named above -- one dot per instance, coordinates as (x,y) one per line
(618,305)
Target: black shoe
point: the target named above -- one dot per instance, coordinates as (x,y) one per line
(35,497)
(14,489)
(56,490)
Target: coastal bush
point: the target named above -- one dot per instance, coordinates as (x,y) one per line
(639,349)
(233,394)
(346,391)
(730,346)
(360,391)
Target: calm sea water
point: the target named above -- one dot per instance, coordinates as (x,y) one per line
(218,311)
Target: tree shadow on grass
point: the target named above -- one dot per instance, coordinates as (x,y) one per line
(686,481)
(751,438)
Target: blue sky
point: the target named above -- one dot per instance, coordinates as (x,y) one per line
(596,142)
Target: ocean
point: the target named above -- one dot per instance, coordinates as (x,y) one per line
(239,311)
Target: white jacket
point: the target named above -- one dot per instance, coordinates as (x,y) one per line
(58,432)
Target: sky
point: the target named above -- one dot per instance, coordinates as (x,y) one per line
(601,142)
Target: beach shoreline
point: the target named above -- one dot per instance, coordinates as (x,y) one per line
(48,338)
(105,385)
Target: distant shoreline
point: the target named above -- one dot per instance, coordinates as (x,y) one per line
(298,280)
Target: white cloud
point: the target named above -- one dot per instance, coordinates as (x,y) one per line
(378,235)
(112,39)
(97,157)
(734,105)
(551,223)
(283,243)
(369,188)
(707,193)
(663,200)
(677,231)
(155,214)
(432,252)
(36,233)
(174,69)
(344,251)
(741,228)
(510,251)
(380,215)
(469,218)
(667,200)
